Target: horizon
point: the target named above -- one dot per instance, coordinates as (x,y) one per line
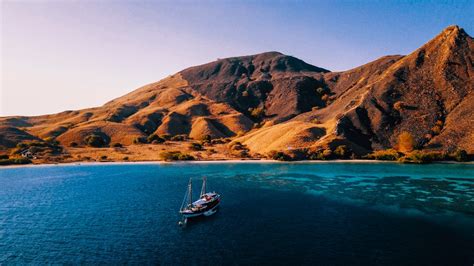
(103,50)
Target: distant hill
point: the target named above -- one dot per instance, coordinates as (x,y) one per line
(272,101)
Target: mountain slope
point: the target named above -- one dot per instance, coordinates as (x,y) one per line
(273,101)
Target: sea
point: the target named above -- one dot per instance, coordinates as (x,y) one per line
(311,213)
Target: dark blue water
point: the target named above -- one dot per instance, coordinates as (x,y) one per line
(300,213)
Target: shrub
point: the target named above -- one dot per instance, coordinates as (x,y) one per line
(257,113)
(327,153)
(237,146)
(166,136)
(279,156)
(218,141)
(316,156)
(153,138)
(38,144)
(117,145)
(73,144)
(385,155)
(341,152)
(176,156)
(195,146)
(413,157)
(242,153)
(95,140)
(421,157)
(4,156)
(206,138)
(15,161)
(405,142)
(125,158)
(21,145)
(179,138)
(103,157)
(460,156)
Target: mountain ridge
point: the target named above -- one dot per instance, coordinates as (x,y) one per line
(271,102)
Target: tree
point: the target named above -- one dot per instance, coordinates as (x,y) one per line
(195,146)
(153,138)
(341,151)
(96,140)
(206,138)
(405,142)
(257,113)
(461,156)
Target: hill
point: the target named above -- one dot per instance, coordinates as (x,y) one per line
(275,102)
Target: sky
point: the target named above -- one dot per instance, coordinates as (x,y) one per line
(66,55)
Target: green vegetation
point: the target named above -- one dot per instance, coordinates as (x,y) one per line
(4,156)
(155,139)
(15,161)
(341,152)
(103,157)
(279,156)
(21,145)
(384,155)
(125,158)
(418,156)
(207,138)
(421,157)
(96,140)
(179,138)
(195,146)
(166,136)
(237,146)
(176,156)
(240,150)
(219,141)
(460,156)
(257,113)
(37,149)
(117,145)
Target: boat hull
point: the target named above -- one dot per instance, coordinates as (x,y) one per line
(211,209)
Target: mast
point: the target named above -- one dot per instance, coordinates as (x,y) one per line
(187,196)
(190,191)
(203,189)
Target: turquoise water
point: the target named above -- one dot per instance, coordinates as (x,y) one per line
(271,213)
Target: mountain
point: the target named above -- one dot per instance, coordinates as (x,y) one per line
(272,101)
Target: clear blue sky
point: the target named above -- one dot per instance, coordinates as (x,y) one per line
(62,55)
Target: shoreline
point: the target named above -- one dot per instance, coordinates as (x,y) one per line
(239,161)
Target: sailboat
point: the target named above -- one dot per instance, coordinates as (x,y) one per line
(206,204)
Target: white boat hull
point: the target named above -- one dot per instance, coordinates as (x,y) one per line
(206,213)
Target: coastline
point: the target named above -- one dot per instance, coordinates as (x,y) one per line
(224,161)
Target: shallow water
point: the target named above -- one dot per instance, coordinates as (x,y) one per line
(277,213)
